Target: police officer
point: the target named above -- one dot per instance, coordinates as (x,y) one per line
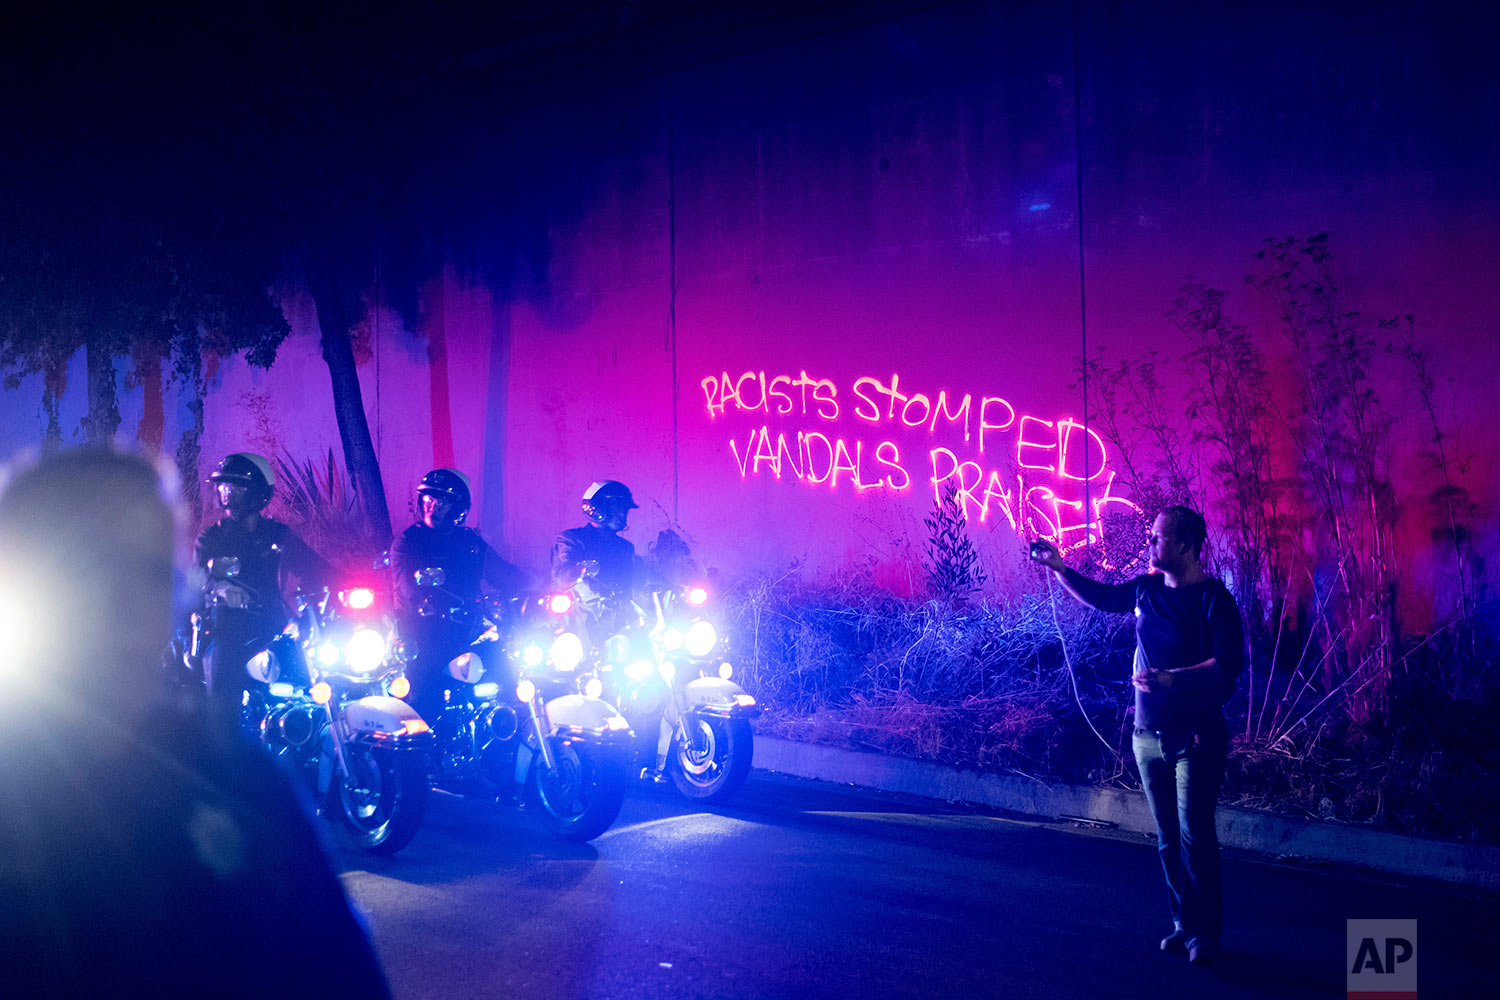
(595,552)
(264,548)
(438,540)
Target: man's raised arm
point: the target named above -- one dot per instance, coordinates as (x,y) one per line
(1117,597)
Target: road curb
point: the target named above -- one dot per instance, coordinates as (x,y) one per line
(1268,833)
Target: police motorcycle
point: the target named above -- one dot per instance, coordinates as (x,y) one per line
(663,666)
(330,706)
(513,728)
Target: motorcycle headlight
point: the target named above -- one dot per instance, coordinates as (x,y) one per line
(639,670)
(366,650)
(567,651)
(532,654)
(672,639)
(328,653)
(701,637)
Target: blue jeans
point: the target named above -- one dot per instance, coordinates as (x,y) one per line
(1181,776)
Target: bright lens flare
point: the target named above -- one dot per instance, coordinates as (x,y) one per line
(697,595)
(726,670)
(25,629)
(701,638)
(13,626)
(594,688)
(366,650)
(567,651)
(560,604)
(360,598)
(672,639)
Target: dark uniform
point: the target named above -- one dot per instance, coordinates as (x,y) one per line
(236,634)
(600,566)
(618,566)
(467,560)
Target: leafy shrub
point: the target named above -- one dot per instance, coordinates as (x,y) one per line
(952,564)
(316,498)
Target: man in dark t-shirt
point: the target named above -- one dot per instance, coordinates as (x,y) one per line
(1189,651)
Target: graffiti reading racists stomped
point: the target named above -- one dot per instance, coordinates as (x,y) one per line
(1011,468)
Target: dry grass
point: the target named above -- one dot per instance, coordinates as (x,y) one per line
(983,685)
(987,686)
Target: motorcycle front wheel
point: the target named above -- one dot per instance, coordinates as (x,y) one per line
(581,797)
(380,804)
(713,761)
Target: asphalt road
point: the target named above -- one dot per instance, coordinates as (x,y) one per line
(803,889)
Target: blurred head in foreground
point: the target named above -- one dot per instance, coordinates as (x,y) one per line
(86,546)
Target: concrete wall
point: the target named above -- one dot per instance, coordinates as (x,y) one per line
(901,201)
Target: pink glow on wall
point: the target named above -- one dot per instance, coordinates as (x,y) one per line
(813,433)
(437,361)
(865,302)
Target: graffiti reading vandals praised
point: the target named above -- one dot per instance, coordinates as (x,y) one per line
(874,434)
